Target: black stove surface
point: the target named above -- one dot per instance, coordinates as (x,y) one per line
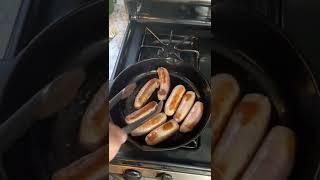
(197,156)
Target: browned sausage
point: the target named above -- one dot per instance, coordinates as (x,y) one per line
(148,126)
(192,118)
(185,106)
(174,100)
(275,158)
(164,78)
(145,92)
(94,124)
(225,92)
(90,167)
(241,137)
(162,133)
(140,113)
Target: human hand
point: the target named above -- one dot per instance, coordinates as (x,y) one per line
(116,138)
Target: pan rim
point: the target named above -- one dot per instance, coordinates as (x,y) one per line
(205,91)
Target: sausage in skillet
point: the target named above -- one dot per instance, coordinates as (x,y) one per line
(185,106)
(162,133)
(164,78)
(192,118)
(275,158)
(174,100)
(140,113)
(148,126)
(225,92)
(94,124)
(145,92)
(241,137)
(90,167)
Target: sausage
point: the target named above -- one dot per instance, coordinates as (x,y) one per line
(94,124)
(145,92)
(192,118)
(164,78)
(174,100)
(148,126)
(275,158)
(225,92)
(185,106)
(140,113)
(241,137)
(162,133)
(90,167)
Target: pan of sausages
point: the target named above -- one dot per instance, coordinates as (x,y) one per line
(186,97)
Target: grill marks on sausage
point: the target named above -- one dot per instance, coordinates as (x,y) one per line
(162,75)
(219,96)
(247,111)
(177,98)
(152,136)
(162,92)
(164,79)
(152,121)
(167,126)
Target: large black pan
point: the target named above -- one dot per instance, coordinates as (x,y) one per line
(77,39)
(143,71)
(264,60)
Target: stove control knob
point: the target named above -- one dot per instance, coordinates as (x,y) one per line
(131,174)
(165,176)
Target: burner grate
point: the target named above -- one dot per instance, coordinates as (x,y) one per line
(177,48)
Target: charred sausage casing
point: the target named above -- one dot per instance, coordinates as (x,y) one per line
(164,78)
(174,100)
(162,133)
(151,124)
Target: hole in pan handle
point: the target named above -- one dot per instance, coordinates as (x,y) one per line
(192,145)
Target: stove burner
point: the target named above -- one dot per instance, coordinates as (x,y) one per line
(176,48)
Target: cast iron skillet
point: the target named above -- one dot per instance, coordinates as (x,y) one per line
(77,39)
(143,71)
(253,40)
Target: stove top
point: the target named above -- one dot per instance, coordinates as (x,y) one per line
(178,43)
(178,48)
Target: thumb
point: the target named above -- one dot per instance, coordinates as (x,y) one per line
(116,138)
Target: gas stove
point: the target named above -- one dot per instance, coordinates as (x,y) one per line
(184,40)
